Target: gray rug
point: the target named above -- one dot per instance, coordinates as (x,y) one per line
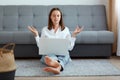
(81,67)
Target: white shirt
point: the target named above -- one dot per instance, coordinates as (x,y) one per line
(65,34)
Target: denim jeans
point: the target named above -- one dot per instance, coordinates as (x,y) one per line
(62,59)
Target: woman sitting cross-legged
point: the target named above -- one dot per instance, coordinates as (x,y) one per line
(56,29)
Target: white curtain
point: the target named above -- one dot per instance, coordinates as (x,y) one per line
(118,43)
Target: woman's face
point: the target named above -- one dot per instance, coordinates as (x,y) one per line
(55,17)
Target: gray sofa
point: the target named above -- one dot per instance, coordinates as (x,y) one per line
(94,41)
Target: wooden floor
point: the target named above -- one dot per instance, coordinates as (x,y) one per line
(115,60)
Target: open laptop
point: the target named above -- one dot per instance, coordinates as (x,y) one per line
(53,46)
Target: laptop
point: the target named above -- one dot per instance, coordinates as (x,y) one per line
(53,46)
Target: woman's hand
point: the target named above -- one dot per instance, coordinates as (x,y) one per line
(33,30)
(76,31)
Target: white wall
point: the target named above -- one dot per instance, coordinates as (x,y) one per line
(53,2)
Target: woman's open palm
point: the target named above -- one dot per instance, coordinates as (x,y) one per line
(77,30)
(33,30)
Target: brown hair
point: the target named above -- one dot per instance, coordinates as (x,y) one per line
(50,24)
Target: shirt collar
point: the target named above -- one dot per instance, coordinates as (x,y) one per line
(58,30)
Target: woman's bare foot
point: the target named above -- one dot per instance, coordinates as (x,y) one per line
(50,62)
(52,69)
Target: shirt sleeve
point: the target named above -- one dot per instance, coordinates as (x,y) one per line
(38,37)
(71,39)
(72,43)
(37,40)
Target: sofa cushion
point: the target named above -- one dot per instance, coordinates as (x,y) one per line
(95,37)
(23,37)
(6,37)
(85,37)
(18,37)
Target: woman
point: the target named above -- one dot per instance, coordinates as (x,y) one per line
(56,29)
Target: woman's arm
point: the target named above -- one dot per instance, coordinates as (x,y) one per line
(72,37)
(35,33)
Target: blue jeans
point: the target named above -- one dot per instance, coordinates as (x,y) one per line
(62,59)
